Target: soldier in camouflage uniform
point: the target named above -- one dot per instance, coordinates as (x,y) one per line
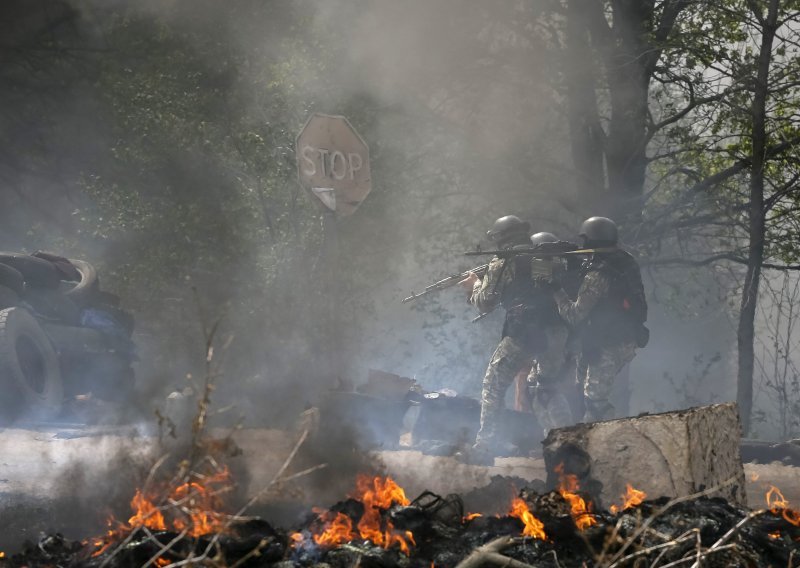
(609,312)
(532,332)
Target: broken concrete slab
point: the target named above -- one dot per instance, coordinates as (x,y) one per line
(671,454)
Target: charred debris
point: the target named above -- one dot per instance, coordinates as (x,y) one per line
(377,526)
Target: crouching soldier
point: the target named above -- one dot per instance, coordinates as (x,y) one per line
(532,331)
(609,312)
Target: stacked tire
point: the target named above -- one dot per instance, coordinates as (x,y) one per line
(29,367)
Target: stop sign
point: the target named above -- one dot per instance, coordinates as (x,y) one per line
(333,163)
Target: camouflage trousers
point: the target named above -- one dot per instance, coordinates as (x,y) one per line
(549,405)
(598,379)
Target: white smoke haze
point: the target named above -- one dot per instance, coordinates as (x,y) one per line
(458,103)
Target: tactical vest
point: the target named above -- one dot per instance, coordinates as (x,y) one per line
(618,317)
(528,308)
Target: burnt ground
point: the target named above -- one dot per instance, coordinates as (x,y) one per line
(67,479)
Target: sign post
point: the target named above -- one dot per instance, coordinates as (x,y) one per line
(333,166)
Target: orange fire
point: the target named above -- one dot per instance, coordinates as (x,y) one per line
(200,502)
(192,507)
(380,493)
(581,510)
(376,494)
(337,530)
(145,513)
(533,526)
(779,506)
(632,498)
(775,499)
(471,516)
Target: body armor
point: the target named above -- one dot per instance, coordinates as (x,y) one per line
(529,308)
(620,316)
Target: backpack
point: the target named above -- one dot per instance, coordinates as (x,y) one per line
(626,304)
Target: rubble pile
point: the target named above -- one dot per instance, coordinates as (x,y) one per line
(377,526)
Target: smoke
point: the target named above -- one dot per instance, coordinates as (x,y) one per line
(178,163)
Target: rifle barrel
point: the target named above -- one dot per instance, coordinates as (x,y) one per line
(447,282)
(537,252)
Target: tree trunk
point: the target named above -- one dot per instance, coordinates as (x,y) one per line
(626,158)
(746,332)
(629,83)
(612,167)
(585,132)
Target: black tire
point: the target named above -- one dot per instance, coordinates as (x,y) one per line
(89,283)
(38,273)
(30,377)
(12,278)
(8,298)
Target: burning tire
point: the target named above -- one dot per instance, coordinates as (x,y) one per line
(29,368)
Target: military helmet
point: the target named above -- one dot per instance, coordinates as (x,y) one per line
(599,230)
(508,227)
(543,237)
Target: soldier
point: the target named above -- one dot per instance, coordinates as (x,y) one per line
(547,401)
(609,311)
(532,331)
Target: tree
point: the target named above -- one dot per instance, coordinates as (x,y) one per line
(45,69)
(739,159)
(627,38)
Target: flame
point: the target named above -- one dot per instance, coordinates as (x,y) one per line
(581,510)
(792,516)
(471,516)
(192,507)
(533,526)
(145,513)
(376,494)
(200,503)
(775,535)
(337,531)
(380,492)
(775,499)
(115,532)
(779,506)
(632,498)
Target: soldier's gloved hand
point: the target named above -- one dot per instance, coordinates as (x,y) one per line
(468,283)
(544,268)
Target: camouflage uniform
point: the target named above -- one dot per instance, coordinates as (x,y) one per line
(606,348)
(541,348)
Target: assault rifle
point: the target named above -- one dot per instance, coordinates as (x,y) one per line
(559,261)
(544,250)
(448,282)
